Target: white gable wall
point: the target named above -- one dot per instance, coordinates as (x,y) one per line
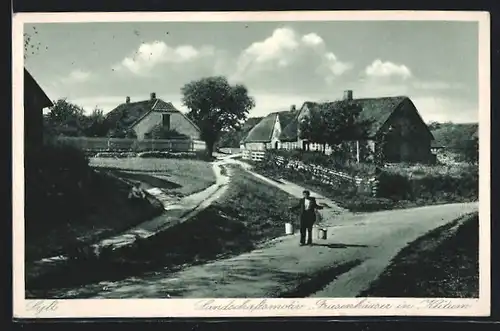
(276,133)
(177,122)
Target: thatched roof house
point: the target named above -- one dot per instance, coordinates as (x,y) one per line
(409,139)
(375,111)
(268,129)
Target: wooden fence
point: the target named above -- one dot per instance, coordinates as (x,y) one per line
(363,185)
(253,155)
(127,144)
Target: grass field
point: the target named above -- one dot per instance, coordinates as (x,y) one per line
(444,263)
(181,177)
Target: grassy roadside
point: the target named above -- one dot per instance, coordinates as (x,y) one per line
(180,176)
(249,213)
(344,198)
(443,263)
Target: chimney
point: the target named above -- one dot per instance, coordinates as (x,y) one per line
(153,95)
(348,95)
(127,100)
(293,108)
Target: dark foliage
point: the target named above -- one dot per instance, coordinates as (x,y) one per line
(216,106)
(444,263)
(65,199)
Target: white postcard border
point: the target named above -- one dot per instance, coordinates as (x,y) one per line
(265,307)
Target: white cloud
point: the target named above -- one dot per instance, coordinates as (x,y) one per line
(149,55)
(312,39)
(387,69)
(286,50)
(276,48)
(335,67)
(76,76)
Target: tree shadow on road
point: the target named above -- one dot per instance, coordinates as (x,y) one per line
(338,245)
(310,284)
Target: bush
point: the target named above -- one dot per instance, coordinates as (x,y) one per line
(433,187)
(160,132)
(394,186)
(55,177)
(201,155)
(368,204)
(328,161)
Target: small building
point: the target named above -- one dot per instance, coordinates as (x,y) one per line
(265,134)
(407,137)
(35,100)
(145,116)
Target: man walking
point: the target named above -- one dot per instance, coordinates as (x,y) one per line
(307,207)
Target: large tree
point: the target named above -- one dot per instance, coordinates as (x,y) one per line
(216,106)
(96,124)
(66,118)
(314,128)
(334,124)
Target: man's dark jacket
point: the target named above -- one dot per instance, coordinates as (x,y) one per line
(307,216)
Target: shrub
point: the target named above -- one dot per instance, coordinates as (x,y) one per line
(432,186)
(160,132)
(198,155)
(55,176)
(394,186)
(368,204)
(328,161)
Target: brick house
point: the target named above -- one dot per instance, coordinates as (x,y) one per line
(407,137)
(145,116)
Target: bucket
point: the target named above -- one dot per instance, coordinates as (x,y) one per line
(288,228)
(315,232)
(322,233)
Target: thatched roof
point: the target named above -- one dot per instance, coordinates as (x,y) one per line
(32,87)
(263,131)
(127,115)
(250,123)
(376,111)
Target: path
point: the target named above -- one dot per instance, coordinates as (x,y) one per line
(331,209)
(186,208)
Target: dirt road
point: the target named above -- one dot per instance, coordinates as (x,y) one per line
(358,248)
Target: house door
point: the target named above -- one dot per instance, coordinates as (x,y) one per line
(406,152)
(392,151)
(276,145)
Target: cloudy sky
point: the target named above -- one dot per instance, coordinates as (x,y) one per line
(281,63)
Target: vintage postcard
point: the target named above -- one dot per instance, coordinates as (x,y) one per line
(251,164)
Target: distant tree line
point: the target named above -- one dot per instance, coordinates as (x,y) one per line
(459,138)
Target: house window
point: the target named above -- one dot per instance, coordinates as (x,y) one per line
(166,121)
